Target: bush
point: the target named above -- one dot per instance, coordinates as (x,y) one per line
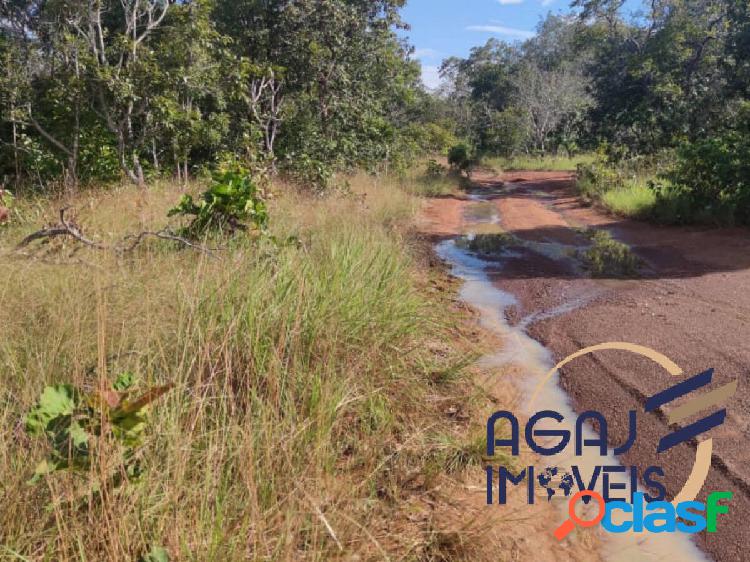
(434,170)
(81,426)
(609,258)
(232,199)
(711,178)
(459,158)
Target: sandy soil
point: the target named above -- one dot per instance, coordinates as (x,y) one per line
(692,303)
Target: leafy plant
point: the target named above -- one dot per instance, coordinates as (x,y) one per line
(232,199)
(609,258)
(434,170)
(76,424)
(713,175)
(156,554)
(459,158)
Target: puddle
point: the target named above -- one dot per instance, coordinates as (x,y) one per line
(533,361)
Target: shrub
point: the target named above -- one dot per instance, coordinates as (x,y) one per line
(232,199)
(459,158)
(609,258)
(78,426)
(712,177)
(434,170)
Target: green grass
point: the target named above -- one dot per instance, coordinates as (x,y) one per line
(304,388)
(431,179)
(635,199)
(550,162)
(625,190)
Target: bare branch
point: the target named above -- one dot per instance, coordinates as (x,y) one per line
(67,228)
(64,228)
(165,234)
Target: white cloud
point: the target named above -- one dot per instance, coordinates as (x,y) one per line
(431,76)
(502,30)
(425,54)
(547,2)
(507,2)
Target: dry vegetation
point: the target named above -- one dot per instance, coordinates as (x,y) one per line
(317,404)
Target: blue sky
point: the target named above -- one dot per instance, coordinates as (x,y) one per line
(444,28)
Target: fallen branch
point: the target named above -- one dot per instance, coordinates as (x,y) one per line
(50,232)
(68,228)
(164,234)
(76,233)
(64,228)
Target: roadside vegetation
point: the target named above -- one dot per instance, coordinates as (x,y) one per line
(552,162)
(306,383)
(432,179)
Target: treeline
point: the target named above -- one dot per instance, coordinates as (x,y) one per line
(94,90)
(666,92)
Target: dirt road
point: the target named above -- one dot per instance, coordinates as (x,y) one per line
(691,302)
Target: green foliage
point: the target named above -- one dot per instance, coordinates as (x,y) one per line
(597,178)
(319,87)
(79,424)
(434,170)
(560,162)
(232,199)
(156,554)
(712,176)
(459,158)
(609,258)
(636,199)
(433,182)
(626,188)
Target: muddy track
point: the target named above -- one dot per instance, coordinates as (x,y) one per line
(691,302)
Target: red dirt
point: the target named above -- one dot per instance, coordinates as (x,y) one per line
(692,304)
(442,217)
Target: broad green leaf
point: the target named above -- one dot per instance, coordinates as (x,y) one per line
(55,402)
(157,554)
(124,381)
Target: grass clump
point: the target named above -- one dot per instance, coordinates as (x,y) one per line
(635,199)
(624,190)
(548,162)
(608,257)
(433,180)
(303,380)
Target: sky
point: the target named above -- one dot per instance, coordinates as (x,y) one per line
(444,28)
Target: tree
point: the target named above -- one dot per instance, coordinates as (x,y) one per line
(548,99)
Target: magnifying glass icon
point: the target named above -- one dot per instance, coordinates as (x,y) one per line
(564,530)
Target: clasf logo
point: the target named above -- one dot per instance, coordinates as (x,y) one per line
(641,516)
(636,512)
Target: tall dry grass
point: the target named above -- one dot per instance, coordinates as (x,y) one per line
(309,380)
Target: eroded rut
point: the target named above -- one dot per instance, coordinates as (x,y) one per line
(691,302)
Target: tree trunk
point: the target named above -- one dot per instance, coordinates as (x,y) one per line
(15,155)
(154,155)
